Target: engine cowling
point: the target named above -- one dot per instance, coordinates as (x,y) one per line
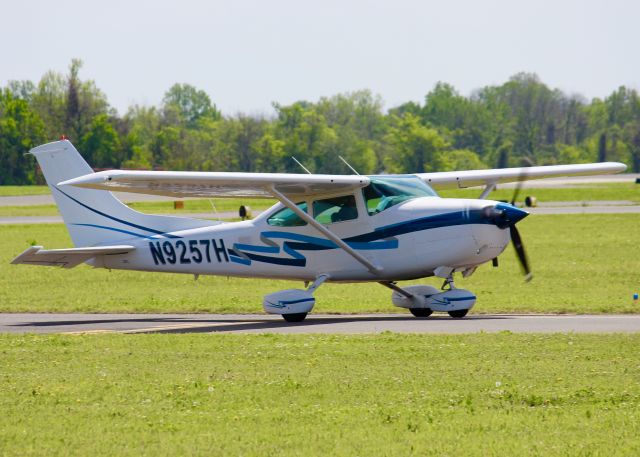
(290,301)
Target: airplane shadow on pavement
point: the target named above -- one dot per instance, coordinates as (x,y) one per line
(225,325)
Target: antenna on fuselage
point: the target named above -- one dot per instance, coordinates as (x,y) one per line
(301,166)
(215,210)
(347,164)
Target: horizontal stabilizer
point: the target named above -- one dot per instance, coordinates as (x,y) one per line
(67,258)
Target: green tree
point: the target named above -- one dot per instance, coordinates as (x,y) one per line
(270,154)
(101,144)
(306,136)
(83,102)
(184,104)
(247,132)
(415,148)
(464,121)
(49,102)
(632,135)
(144,124)
(357,129)
(462,159)
(20,130)
(22,89)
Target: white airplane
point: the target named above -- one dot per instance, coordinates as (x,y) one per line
(325,228)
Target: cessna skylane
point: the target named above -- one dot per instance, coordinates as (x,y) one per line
(324,228)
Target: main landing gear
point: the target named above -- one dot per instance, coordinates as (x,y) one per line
(294,317)
(423,300)
(293,304)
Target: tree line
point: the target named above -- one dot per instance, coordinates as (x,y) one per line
(521,122)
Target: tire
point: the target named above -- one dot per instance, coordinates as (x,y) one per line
(295,317)
(421,312)
(459,314)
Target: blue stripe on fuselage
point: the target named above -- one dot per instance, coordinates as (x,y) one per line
(381,238)
(130,224)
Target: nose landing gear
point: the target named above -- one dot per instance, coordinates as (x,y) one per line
(423,300)
(449,286)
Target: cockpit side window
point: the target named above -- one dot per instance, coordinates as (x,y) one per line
(287,218)
(336,209)
(383,193)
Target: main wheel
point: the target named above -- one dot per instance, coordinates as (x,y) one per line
(421,312)
(294,317)
(458,314)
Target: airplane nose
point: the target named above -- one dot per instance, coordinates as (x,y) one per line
(504,215)
(512,213)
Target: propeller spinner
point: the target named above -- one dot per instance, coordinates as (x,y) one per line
(504,216)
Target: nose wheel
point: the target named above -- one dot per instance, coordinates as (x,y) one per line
(423,300)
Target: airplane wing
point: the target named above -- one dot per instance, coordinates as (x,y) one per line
(67,258)
(261,185)
(471,178)
(217,184)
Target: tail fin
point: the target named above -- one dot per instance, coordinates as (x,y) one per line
(96,216)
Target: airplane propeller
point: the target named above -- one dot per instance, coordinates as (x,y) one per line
(520,252)
(516,239)
(506,216)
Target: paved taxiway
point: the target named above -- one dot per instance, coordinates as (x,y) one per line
(315,323)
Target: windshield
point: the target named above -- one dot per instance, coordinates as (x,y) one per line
(384,192)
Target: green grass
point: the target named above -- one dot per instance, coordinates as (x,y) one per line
(203,205)
(262,395)
(28,210)
(11,191)
(586,192)
(583,263)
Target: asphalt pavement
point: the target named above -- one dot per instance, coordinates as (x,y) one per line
(315,323)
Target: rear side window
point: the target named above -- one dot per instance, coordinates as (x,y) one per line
(337,209)
(287,218)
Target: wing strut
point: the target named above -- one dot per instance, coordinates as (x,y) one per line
(326,232)
(393,286)
(490,187)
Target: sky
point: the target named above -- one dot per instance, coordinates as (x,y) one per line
(247,54)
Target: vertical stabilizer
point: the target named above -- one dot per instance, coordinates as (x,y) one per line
(96,216)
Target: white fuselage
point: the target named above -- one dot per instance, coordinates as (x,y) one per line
(407,241)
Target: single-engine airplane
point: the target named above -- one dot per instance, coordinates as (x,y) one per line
(325,228)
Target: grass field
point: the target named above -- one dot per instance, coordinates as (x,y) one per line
(584,263)
(388,394)
(585,192)
(12,191)
(153,207)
